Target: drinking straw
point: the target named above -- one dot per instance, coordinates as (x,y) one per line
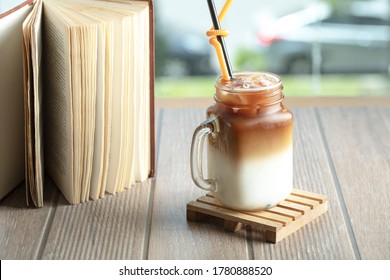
(220,38)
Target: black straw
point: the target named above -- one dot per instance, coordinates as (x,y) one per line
(221,40)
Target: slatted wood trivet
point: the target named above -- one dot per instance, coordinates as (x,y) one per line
(299,209)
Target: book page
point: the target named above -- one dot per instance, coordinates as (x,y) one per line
(99,145)
(134,161)
(146,94)
(142,122)
(117,101)
(135,135)
(58,103)
(128,178)
(88,91)
(32,41)
(11,100)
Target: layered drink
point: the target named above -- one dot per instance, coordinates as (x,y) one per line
(250,150)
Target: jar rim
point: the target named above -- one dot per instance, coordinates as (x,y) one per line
(276,79)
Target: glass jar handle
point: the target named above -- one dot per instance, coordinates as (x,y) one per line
(205,128)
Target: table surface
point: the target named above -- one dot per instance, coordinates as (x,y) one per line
(343,152)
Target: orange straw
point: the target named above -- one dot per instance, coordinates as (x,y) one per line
(216,39)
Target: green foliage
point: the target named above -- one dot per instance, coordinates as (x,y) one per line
(248,59)
(302,85)
(338,6)
(161,46)
(193,86)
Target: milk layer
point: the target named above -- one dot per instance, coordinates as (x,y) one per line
(253,183)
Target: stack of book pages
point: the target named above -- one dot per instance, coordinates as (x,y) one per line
(88,96)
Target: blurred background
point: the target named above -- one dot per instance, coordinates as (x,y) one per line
(319,48)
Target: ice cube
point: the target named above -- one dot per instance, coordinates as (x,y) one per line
(247,85)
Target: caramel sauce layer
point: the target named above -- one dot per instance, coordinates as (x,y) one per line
(250,134)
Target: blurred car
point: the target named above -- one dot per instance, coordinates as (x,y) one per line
(356,41)
(184,54)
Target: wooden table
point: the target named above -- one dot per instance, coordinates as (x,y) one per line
(343,152)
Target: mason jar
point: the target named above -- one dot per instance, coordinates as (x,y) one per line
(249,143)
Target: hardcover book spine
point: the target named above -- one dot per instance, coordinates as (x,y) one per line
(152,78)
(28,2)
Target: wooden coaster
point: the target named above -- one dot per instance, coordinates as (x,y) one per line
(299,209)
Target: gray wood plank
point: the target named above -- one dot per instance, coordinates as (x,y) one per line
(327,236)
(172,237)
(359,144)
(108,228)
(23,228)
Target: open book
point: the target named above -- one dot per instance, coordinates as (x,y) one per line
(88,96)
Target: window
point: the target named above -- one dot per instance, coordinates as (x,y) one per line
(327,48)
